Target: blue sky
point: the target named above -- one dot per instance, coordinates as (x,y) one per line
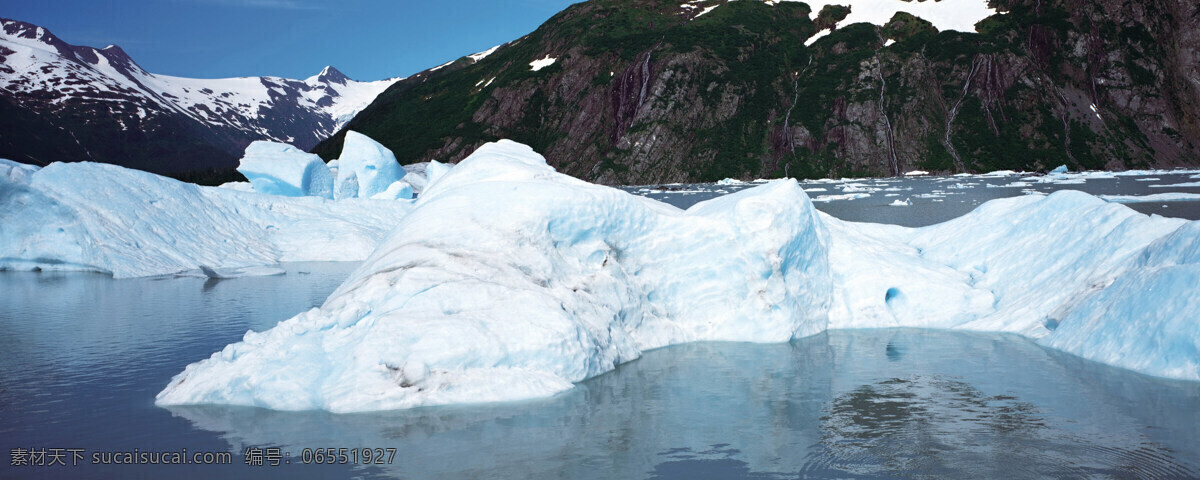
(366,39)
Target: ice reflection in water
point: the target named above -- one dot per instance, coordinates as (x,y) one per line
(931,425)
(849,404)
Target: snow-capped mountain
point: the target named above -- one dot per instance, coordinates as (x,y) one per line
(103,106)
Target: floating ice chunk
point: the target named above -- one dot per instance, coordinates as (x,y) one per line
(150,225)
(730,181)
(281,169)
(365,168)
(901,203)
(1059,170)
(1156,197)
(1178,185)
(858,188)
(915,173)
(844,196)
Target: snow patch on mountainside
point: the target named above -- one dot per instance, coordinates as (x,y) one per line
(960,15)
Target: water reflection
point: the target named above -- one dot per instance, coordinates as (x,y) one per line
(851,404)
(83,355)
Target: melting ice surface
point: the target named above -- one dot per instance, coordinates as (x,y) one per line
(509,281)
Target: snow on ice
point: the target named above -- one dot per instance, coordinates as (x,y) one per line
(508,280)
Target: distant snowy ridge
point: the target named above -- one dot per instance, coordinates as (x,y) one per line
(46,75)
(508,280)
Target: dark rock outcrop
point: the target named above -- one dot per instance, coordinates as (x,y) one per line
(644,91)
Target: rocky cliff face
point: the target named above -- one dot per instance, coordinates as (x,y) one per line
(644,91)
(61,102)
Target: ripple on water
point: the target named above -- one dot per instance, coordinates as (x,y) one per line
(932,425)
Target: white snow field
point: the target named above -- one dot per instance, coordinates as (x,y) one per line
(128,223)
(280,169)
(509,281)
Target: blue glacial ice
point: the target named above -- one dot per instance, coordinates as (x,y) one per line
(104,218)
(507,280)
(281,169)
(367,169)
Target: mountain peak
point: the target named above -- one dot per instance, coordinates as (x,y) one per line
(332,75)
(24,30)
(111,110)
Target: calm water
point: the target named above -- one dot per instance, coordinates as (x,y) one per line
(83,356)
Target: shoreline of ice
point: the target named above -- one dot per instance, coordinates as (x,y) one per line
(508,280)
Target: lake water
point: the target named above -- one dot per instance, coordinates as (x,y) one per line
(82,356)
(937,199)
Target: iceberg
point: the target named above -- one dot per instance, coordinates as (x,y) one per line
(281,169)
(508,280)
(149,225)
(1059,170)
(365,168)
(547,281)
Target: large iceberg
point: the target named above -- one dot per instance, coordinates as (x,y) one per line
(281,169)
(508,280)
(105,218)
(366,168)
